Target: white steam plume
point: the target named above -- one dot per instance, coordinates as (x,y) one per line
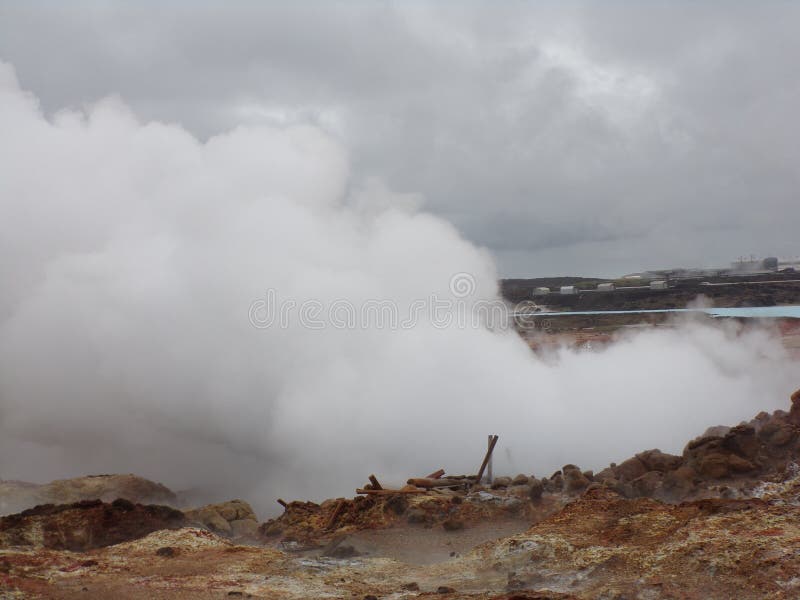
(131,254)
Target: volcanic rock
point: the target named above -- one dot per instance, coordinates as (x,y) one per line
(630,469)
(501,483)
(86,524)
(520,480)
(233,518)
(714,465)
(536,490)
(794,411)
(648,484)
(574,481)
(655,460)
(777,432)
(742,440)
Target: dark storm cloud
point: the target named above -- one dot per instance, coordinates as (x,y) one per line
(581,138)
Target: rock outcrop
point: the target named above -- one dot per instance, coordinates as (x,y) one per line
(234,518)
(86,524)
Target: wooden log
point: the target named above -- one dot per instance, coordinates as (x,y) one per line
(487,457)
(489,466)
(388,492)
(336,510)
(283,503)
(425,482)
(435,474)
(375,484)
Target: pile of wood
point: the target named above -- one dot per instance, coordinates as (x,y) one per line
(436,480)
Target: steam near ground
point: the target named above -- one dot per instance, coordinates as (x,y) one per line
(131,256)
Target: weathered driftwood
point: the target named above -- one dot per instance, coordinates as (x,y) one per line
(435,474)
(283,503)
(336,510)
(375,483)
(388,492)
(487,457)
(425,482)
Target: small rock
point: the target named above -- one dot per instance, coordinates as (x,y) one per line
(630,469)
(520,480)
(536,490)
(443,589)
(574,481)
(410,587)
(343,551)
(244,528)
(415,515)
(501,482)
(656,460)
(453,524)
(167,551)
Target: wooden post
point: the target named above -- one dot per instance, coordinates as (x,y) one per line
(486,458)
(489,466)
(283,503)
(375,483)
(336,510)
(440,472)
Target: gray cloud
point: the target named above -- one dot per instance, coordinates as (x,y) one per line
(561,136)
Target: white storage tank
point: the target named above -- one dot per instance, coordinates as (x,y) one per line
(568,290)
(658,284)
(541,291)
(606,287)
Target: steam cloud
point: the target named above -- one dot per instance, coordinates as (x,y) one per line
(131,253)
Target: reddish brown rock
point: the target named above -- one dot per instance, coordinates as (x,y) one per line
(656,460)
(742,440)
(794,412)
(630,469)
(713,465)
(680,481)
(738,464)
(648,484)
(86,524)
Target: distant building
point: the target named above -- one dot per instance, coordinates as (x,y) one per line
(771,263)
(754,265)
(541,291)
(658,284)
(568,290)
(606,287)
(789,264)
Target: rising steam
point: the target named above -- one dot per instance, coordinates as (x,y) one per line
(131,253)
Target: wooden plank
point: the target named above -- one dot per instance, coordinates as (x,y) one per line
(487,457)
(375,484)
(425,482)
(489,466)
(388,492)
(435,474)
(336,510)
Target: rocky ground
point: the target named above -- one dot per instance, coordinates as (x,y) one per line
(722,520)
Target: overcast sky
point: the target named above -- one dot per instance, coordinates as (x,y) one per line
(567,138)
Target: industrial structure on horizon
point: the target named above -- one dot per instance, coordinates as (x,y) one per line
(662,279)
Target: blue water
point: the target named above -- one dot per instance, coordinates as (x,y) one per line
(757,312)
